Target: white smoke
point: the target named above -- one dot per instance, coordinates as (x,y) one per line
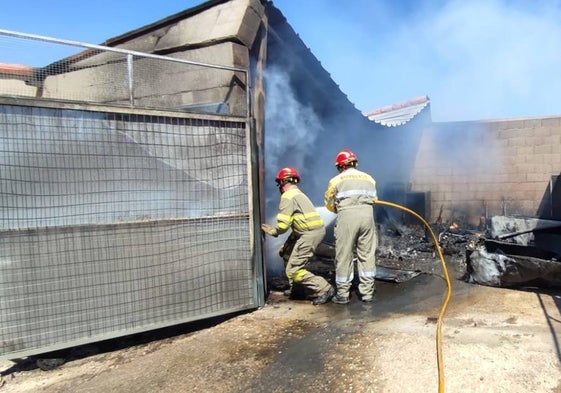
(479,59)
(291,130)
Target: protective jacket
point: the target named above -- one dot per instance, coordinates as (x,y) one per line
(350,188)
(296,211)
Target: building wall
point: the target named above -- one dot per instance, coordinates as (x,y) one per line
(216,33)
(221,34)
(478,169)
(9,86)
(102,78)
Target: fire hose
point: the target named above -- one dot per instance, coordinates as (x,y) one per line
(448,293)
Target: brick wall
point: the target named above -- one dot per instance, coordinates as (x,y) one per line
(473,169)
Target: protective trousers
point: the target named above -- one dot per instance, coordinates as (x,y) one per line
(296,272)
(355,227)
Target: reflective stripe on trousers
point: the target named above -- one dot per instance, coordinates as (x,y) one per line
(355,226)
(301,253)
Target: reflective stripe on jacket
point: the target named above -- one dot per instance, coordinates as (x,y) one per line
(296,211)
(350,188)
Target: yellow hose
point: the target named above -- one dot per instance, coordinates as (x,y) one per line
(448,294)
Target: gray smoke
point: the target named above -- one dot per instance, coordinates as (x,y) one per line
(296,136)
(291,132)
(291,128)
(475,60)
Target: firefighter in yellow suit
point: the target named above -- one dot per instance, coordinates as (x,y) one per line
(297,212)
(351,195)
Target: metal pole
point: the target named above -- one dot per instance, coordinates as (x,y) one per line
(111,49)
(130,79)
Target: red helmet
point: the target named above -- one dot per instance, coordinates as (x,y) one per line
(288,173)
(345,157)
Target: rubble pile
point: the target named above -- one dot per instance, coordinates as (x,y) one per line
(403,252)
(501,252)
(517,253)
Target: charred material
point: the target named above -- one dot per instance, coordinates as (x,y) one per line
(403,252)
(502,251)
(516,256)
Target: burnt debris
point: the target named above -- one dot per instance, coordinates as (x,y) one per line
(518,252)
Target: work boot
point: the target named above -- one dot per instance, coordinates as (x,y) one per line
(340,299)
(287,292)
(325,297)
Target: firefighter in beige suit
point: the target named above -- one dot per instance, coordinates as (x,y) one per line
(351,194)
(296,211)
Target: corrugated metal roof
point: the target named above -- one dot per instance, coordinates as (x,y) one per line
(398,114)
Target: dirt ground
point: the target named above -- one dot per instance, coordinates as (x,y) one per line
(493,340)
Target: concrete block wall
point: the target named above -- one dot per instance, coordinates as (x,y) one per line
(486,168)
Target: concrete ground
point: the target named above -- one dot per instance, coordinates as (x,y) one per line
(493,340)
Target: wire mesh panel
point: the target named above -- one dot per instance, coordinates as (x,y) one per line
(115,223)
(55,69)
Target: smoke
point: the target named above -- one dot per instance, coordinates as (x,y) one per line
(291,132)
(291,128)
(296,136)
(495,59)
(480,59)
(476,60)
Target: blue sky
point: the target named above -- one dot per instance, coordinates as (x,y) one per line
(477,59)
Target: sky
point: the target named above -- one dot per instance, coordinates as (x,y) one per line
(476,59)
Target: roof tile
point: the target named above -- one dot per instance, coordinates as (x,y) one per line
(398,114)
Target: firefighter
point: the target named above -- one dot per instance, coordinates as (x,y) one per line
(297,212)
(351,195)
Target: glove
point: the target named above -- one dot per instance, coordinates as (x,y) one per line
(269,230)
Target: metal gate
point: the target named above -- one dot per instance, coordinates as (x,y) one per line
(121,219)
